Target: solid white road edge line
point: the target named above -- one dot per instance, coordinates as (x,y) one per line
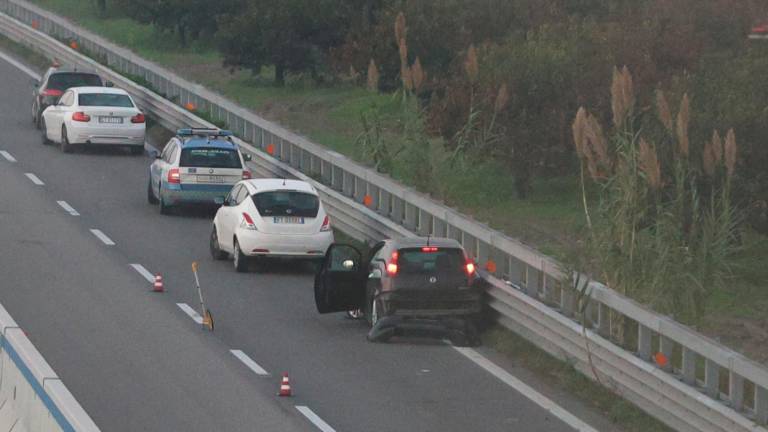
(317,421)
(144,272)
(252,365)
(103,237)
(7,156)
(68,208)
(525,390)
(191,312)
(34,179)
(19,66)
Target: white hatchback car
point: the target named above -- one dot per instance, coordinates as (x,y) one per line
(271,218)
(94,115)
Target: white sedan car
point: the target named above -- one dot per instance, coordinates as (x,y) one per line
(94,115)
(271,218)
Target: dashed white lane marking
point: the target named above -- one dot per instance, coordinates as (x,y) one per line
(317,421)
(7,156)
(68,208)
(19,66)
(191,312)
(34,179)
(103,237)
(525,390)
(144,272)
(252,365)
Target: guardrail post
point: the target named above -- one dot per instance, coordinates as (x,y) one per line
(409,219)
(398,211)
(712,378)
(761,404)
(567,300)
(666,346)
(603,320)
(736,391)
(689,366)
(644,342)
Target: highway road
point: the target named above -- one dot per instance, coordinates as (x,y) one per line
(137,362)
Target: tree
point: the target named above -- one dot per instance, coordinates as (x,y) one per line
(188,19)
(101,5)
(291,35)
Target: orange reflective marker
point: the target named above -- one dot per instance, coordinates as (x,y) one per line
(490,266)
(271,149)
(189,106)
(368,200)
(35,24)
(661,359)
(74,45)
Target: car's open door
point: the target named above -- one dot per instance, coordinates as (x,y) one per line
(340,283)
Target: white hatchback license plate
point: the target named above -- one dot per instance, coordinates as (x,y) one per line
(113,120)
(288,220)
(210,179)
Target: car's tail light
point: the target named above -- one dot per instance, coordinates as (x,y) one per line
(138,118)
(246,175)
(429,249)
(248,222)
(469,267)
(174,176)
(326,224)
(81,117)
(52,92)
(392,264)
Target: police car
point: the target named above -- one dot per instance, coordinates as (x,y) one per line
(197,166)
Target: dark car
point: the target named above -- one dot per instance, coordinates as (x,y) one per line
(415,283)
(53,84)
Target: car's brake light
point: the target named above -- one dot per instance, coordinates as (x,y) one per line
(469,268)
(174,176)
(248,222)
(138,118)
(81,117)
(52,92)
(326,224)
(246,175)
(429,249)
(392,264)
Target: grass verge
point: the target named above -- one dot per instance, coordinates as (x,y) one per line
(25,54)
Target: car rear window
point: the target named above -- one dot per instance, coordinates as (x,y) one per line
(287,203)
(206,157)
(104,100)
(63,81)
(436,260)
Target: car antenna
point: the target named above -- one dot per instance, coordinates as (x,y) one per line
(428,237)
(283,181)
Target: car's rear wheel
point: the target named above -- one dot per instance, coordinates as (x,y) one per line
(151,198)
(66,147)
(45,139)
(216,251)
(240,260)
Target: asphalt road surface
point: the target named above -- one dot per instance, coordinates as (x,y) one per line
(137,362)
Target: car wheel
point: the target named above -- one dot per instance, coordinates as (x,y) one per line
(137,150)
(151,198)
(45,139)
(66,147)
(240,260)
(355,314)
(216,251)
(375,312)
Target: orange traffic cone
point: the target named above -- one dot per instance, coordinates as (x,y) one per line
(285,386)
(158,285)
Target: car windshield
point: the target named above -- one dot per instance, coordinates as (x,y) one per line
(287,203)
(206,157)
(104,100)
(430,260)
(63,81)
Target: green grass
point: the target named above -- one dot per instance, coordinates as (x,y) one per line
(563,375)
(550,220)
(28,56)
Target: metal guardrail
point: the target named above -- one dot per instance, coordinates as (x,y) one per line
(704,386)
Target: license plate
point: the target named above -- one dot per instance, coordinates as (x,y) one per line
(210,179)
(113,120)
(288,220)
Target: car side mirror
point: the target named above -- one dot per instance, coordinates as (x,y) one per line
(247,157)
(109,84)
(375,274)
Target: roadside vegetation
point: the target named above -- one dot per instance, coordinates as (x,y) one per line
(475,102)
